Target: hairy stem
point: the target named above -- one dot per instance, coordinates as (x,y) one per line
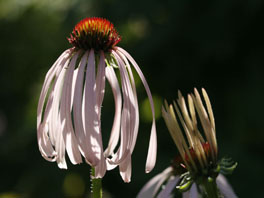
(210,188)
(96,185)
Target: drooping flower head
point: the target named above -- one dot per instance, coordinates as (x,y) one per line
(69,109)
(197,169)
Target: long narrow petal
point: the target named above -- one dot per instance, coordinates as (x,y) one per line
(135,123)
(224,187)
(45,146)
(60,148)
(65,114)
(47,82)
(55,124)
(82,136)
(152,151)
(115,132)
(128,112)
(150,189)
(126,169)
(129,100)
(100,83)
(74,77)
(44,141)
(123,155)
(54,100)
(91,116)
(100,169)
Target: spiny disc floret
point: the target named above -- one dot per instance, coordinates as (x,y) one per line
(94,33)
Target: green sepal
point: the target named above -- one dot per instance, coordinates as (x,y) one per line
(217,169)
(227,166)
(110,60)
(185,183)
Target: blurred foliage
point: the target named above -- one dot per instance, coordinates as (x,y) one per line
(178,44)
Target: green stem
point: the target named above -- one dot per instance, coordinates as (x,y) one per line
(210,188)
(96,185)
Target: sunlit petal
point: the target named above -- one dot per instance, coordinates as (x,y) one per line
(90,114)
(152,151)
(65,114)
(115,132)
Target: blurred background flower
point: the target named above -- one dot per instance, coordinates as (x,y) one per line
(178,44)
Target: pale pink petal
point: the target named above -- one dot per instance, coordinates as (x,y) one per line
(55,96)
(60,148)
(44,141)
(124,123)
(119,156)
(170,186)
(73,85)
(47,82)
(49,106)
(82,137)
(115,132)
(100,83)
(110,165)
(125,169)
(224,187)
(152,186)
(91,115)
(45,146)
(135,122)
(122,151)
(55,125)
(50,134)
(128,112)
(152,151)
(100,169)
(65,114)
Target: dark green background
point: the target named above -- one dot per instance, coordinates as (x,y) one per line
(179,44)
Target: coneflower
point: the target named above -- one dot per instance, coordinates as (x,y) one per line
(195,172)
(69,108)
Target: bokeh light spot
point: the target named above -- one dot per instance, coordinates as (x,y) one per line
(73,185)
(145,110)
(11,195)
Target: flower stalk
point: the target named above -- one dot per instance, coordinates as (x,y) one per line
(210,188)
(96,185)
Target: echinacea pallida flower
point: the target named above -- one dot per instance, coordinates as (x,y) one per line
(69,108)
(196,172)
